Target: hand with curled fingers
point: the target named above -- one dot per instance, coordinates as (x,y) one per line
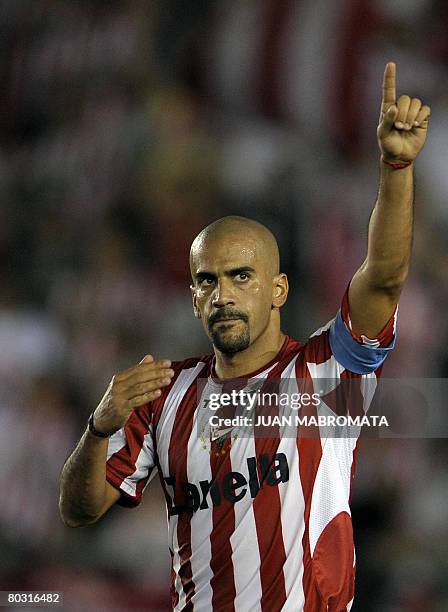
(403,124)
(130,389)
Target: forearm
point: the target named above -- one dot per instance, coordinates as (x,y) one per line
(390,229)
(83,481)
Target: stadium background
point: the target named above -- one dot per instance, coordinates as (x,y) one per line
(126,126)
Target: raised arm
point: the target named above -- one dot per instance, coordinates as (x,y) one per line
(376,286)
(85,495)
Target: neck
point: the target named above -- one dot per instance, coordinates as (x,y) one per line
(258,354)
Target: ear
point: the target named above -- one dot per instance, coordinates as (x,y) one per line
(280,288)
(196,310)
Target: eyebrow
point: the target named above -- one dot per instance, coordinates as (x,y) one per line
(233,272)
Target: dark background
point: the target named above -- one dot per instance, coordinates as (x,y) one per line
(126,126)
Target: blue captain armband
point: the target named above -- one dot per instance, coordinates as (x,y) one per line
(353,355)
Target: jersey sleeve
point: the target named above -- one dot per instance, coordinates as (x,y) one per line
(360,354)
(130,457)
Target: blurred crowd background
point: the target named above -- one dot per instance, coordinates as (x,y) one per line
(126,126)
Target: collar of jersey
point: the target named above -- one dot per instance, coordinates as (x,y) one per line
(213,378)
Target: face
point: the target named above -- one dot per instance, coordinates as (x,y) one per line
(232,291)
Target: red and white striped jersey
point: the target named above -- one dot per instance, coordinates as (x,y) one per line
(253,523)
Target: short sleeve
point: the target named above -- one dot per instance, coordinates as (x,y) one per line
(360,354)
(130,457)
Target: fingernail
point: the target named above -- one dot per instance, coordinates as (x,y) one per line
(416,123)
(407,126)
(166,381)
(399,124)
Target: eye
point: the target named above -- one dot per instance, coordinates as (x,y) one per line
(243,276)
(206,282)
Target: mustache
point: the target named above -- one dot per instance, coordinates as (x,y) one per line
(225,314)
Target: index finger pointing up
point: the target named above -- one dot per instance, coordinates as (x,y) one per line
(389,94)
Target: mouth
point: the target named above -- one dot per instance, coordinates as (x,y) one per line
(233,320)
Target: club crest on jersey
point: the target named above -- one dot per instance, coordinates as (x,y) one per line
(232,486)
(218,437)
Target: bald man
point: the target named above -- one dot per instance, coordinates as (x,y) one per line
(242,319)
(258,520)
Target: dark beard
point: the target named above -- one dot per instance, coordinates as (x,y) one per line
(233,344)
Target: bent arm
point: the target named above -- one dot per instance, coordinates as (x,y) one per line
(85,495)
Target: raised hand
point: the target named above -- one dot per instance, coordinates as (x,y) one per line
(128,390)
(403,124)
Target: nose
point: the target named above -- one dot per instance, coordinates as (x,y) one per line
(223,294)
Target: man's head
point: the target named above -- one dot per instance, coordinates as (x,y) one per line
(237,288)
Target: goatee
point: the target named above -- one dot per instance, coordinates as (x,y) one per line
(231,344)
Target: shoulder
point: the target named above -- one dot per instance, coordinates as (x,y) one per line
(286,362)
(298,359)
(291,348)
(317,349)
